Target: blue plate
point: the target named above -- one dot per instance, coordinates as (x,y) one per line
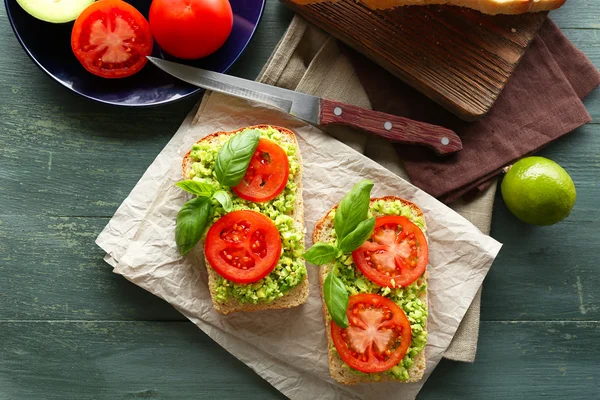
(49,46)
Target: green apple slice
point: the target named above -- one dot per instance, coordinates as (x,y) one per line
(56,11)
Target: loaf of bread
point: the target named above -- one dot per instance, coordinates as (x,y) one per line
(485,6)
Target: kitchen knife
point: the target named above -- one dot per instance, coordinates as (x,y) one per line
(318,111)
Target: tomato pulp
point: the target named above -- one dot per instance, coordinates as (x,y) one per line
(243,246)
(267,173)
(111,39)
(378,334)
(396,255)
(191,29)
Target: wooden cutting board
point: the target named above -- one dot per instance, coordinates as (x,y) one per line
(458,57)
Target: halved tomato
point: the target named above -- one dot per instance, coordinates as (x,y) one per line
(396,255)
(243,246)
(378,334)
(111,39)
(266,175)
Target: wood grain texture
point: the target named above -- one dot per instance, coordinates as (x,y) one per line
(585,17)
(403,130)
(60,274)
(523,360)
(588,40)
(128,344)
(120,360)
(458,57)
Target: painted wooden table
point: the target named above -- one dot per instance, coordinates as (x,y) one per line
(71,329)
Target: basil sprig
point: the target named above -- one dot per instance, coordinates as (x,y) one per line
(351,226)
(234,157)
(191,221)
(352,229)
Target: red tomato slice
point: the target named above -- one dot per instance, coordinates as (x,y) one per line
(267,173)
(191,28)
(111,39)
(396,255)
(378,334)
(243,246)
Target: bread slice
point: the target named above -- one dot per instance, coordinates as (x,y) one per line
(297,295)
(338,371)
(485,6)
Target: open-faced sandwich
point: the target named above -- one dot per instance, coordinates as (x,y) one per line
(374,255)
(249,213)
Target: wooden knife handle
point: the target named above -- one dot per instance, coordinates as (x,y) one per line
(399,129)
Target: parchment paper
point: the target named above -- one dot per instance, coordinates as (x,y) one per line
(288,347)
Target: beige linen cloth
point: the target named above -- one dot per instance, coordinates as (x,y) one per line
(308,60)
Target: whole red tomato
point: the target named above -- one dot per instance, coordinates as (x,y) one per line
(190,28)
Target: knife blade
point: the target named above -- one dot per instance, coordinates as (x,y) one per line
(318,111)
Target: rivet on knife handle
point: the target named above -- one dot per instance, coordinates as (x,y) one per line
(399,129)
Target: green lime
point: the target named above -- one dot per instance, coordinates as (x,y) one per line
(538,191)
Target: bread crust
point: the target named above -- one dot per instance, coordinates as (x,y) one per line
(336,365)
(297,295)
(491,7)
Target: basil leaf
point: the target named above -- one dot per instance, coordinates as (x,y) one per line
(198,188)
(336,299)
(353,209)
(321,253)
(357,237)
(223,197)
(235,155)
(191,222)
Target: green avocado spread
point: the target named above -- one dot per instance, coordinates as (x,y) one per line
(290,270)
(407,297)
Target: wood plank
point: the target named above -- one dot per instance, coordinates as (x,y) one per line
(524,361)
(50,268)
(275,21)
(124,360)
(588,41)
(174,360)
(582,14)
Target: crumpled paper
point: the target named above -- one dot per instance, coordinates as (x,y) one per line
(288,348)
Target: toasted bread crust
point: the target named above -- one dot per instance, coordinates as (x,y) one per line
(491,7)
(338,371)
(297,295)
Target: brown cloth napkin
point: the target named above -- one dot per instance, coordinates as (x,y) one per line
(541,103)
